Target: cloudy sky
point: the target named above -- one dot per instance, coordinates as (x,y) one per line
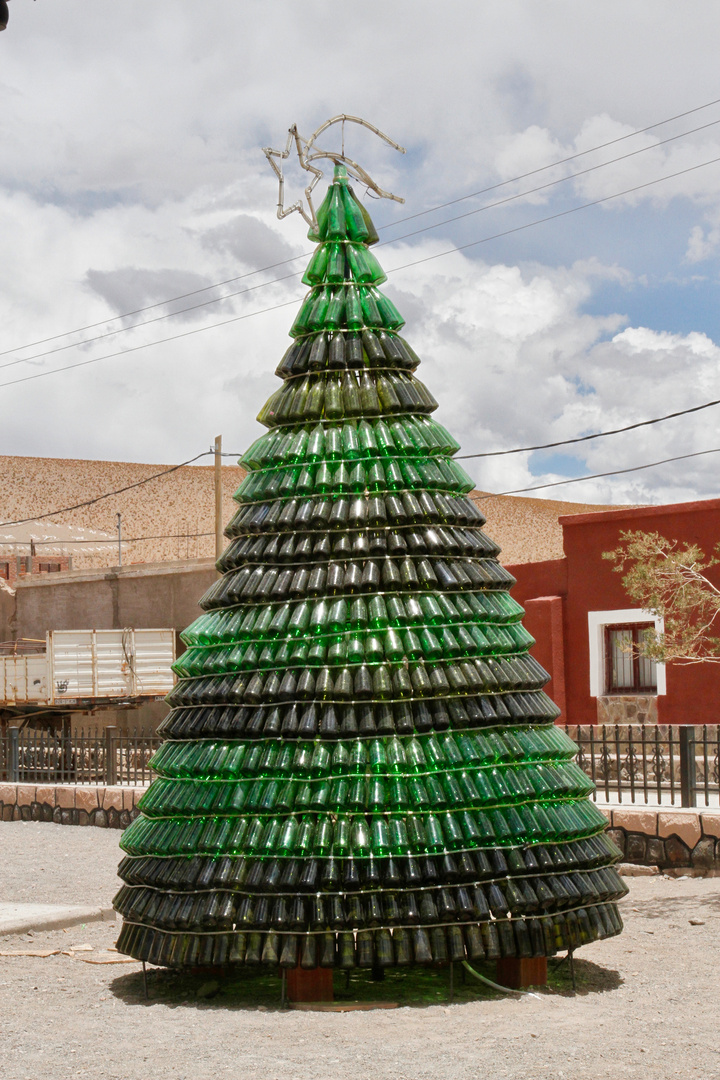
(132,174)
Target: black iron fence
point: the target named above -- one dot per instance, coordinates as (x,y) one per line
(677,765)
(673,764)
(103,756)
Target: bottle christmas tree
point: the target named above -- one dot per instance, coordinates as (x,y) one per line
(360,767)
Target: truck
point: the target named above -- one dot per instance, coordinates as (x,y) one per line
(85,669)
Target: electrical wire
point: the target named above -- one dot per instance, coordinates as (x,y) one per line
(586,438)
(296,274)
(595,476)
(409,217)
(205,453)
(549,184)
(149,344)
(108,494)
(404,266)
(148,322)
(494,985)
(553,217)
(553,164)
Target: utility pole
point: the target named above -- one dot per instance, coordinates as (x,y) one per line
(119,532)
(218,497)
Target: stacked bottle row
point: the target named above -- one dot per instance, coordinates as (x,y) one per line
(383,683)
(509,752)
(267,583)
(294,875)
(292,912)
(403,439)
(226,831)
(333,396)
(401,946)
(350,644)
(360,567)
(342,349)
(365,720)
(391,560)
(351,477)
(368,513)
(399,797)
(493,615)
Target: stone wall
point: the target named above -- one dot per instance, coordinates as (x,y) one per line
(670,839)
(70,804)
(627,709)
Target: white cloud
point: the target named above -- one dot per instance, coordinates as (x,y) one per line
(132,172)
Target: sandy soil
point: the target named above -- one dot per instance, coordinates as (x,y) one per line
(646,1004)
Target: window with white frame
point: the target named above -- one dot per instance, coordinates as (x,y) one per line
(627,671)
(616,666)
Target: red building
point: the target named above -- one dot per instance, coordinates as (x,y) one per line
(578,611)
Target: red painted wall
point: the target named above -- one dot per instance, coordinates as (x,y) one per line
(544,620)
(540,589)
(539,579)
(693,692)
(558,594)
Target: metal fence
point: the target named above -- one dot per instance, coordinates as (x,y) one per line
(658,764)
(103,756)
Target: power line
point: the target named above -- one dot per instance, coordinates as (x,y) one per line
(595,476)
(160,303)
(549,184)
(586,438)
(167,536)
(440,206)
(295,274)
(149,344)
(206,453)
(404,266)
(108,494)
(554,164)
(147,322)
(552,217)
(110,542)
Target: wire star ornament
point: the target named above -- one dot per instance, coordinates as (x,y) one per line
(308,151)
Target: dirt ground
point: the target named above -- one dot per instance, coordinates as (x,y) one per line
(646,1006)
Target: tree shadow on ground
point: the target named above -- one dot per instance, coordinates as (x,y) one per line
(590,978)
(416,987)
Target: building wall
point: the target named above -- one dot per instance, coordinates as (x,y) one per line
(148,595)
(584,582)
(557,594)
(539,579)
(14,567)
(693,692)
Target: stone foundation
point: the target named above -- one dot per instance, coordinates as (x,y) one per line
(627,709)
(670,839)
(70,804)
(667,838)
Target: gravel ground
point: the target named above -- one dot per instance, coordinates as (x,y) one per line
(646,1002)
